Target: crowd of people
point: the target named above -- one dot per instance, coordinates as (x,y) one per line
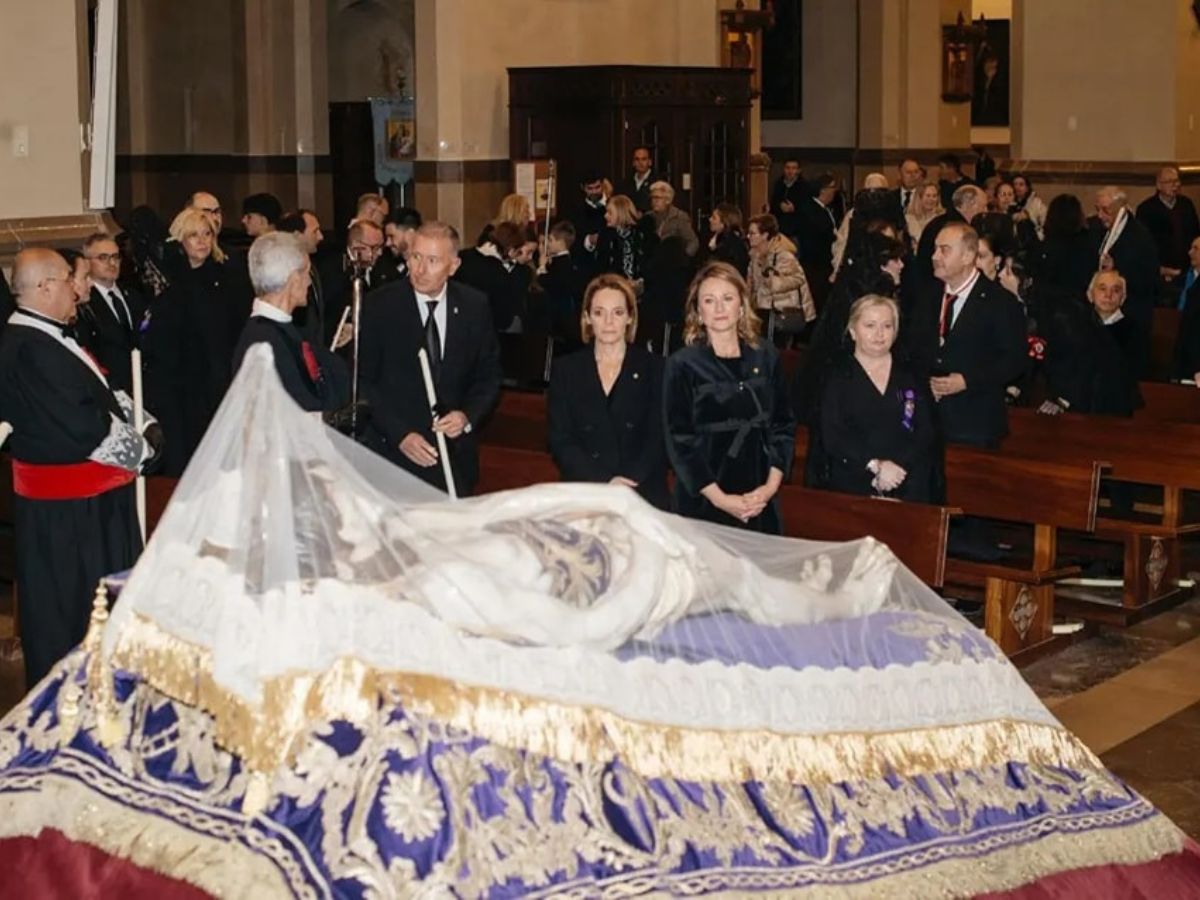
(919,312)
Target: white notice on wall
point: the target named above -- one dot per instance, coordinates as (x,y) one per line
(526,182)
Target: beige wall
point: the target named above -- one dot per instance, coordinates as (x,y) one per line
(1097,80)
(365,39)
(39,89)
(179,75)
(900,76)
(830,50)
(1187,84)
(464,47)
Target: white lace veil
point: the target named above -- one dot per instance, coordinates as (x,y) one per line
(287,548)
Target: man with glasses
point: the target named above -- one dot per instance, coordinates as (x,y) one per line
(110,321)
(1170,217)
(364,247)
(75,455)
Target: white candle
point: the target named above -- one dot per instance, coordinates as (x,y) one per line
(431,394)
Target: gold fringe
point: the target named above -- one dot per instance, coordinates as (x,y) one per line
(265,737)
(227,862)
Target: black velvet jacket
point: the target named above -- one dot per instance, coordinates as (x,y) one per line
(728,421)
(594,437)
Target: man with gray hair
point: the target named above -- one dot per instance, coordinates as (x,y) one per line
(312,375)
(1170,217)
(1126,245)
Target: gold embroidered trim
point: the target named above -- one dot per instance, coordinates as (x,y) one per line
(209,855)
(936,871)
(266,737)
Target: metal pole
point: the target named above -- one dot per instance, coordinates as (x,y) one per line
(356,295)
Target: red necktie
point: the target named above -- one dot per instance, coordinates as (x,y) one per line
(944,318)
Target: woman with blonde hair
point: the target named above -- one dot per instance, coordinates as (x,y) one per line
(778,285)
(627,242)
(730,431)
(604,404)
(190,332)
(514,208)
(924,206)
(877,426)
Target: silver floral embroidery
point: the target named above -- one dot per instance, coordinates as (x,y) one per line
(412,806)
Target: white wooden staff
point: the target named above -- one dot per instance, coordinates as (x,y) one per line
(443,452)
(139,421)
(5,430)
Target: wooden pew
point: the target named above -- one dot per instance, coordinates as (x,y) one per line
(1018,594)
(1163,454)
(1169,402)
(1164,332)
(915,532)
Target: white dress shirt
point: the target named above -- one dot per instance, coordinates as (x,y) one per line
(960,296)
(439,313)
(266,311)
(112,296)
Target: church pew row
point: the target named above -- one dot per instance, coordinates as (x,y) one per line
(1158,453)
(915,532)
(1045,495)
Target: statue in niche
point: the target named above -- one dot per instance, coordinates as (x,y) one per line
(393,77)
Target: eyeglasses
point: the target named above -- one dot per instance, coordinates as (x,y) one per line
(107,257)
(65,279)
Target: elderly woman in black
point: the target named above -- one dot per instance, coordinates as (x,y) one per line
(605,401)
(877,423)
(730,429)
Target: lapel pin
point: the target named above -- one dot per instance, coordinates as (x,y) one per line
(754,370)
(635,375)
(456,310)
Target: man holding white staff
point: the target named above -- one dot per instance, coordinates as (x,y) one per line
(315,377)
(75,457)
(453,324)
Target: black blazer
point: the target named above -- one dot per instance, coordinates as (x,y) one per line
(108,339)
(986,345)
(639,196)
(859,424)
(594,437)
(1135,256)
(329,391)
(731,248)
(817,233)
(488,276)
(390,376)
(796,193)
(1172,230)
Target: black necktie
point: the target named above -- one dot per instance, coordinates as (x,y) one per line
(122,311)
(433,340)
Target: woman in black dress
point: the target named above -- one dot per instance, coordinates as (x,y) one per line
(730,429)
(877,421)
(628,241)
(605,401)
(188,343)
(728,243)
(1066,258)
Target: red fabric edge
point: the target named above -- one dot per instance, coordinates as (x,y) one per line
(70,481)
(51,866)
(1174,876)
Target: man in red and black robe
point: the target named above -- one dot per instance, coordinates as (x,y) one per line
(75,456)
